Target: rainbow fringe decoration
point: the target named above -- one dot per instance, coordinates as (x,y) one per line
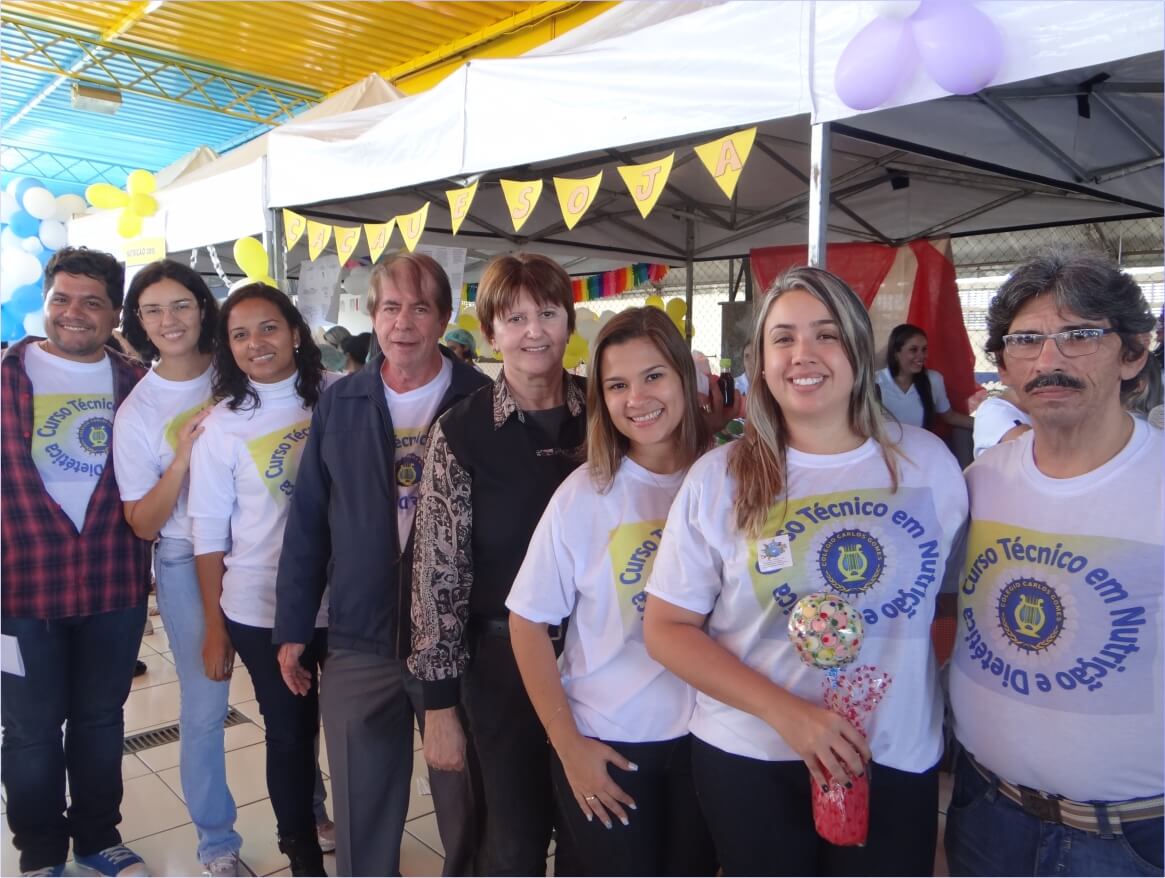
(604,285)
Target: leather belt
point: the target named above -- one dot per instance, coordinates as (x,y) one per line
(490,626)
(1103,818)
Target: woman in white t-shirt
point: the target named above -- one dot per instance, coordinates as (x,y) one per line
(269,375)
(911,392)
(616,719)
(818,477)
(170,316)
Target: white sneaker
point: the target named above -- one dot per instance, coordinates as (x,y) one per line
(224,864)
(326,833)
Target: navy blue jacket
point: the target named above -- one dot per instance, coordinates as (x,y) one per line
(341,529)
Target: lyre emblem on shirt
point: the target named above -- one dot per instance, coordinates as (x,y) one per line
(852,562)
(1029,615)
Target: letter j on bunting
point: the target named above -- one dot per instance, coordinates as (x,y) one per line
(725,158)
(576,196)
(646,182)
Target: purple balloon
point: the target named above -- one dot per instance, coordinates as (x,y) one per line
(877,61)
(960,47)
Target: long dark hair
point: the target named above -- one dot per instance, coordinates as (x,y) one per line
(232,383)
(901,334)
(167,269)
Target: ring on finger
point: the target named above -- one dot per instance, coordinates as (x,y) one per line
(589,798)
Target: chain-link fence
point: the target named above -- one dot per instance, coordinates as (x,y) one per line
(982,262)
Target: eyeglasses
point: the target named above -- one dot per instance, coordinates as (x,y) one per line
(1070,342)
(153,313)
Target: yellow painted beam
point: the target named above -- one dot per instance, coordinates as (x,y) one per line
(135,12)
(510,38)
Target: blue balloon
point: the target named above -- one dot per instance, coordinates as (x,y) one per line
(24,225)
(26,299)
(44,256)
(23,185)
(11,325)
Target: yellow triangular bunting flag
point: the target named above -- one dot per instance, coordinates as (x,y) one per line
(576,196)
(378,235)
(645,182)
(347,237)
(521,196)
(411,225)
(318,235)
(459,202)
(293,226)
(725,158)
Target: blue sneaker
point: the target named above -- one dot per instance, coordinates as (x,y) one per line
(46,872)
(116,860)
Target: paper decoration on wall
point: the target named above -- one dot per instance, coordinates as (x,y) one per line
(318,235)
(347,237)
(646,182)
(604,285)
(521,196)
(459,203)
(725,158)
(575,196)
(411,225)
(378,235)
(293,228)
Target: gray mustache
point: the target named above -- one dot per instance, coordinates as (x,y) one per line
(1053,379)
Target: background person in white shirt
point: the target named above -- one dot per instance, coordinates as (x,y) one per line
(171,316)
(766,520)
(268,376)
(616,719)
(911,392)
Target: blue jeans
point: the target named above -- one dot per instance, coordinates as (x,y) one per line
(202,760)
(988,834)
(77,674)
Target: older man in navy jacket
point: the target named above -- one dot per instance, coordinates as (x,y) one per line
(350,531)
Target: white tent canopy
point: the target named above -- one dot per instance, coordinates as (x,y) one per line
(646,78)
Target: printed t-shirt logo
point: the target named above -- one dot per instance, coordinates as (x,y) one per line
(408,470)
(176,423)
(633,549)
(72,434)
(851,561)
(276,456)
(1031,614)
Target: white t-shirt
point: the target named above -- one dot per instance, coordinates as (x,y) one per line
(589,559)
(72,418)
(906,406)
(1056,680)
(146,436)
(895,547)
(242,475)
(412,415)
(994,418)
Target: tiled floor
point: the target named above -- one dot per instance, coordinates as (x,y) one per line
(154,818)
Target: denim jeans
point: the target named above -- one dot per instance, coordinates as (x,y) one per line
(988,834)
(203,707)
(77,674)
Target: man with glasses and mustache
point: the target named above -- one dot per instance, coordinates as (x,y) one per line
(1056,681)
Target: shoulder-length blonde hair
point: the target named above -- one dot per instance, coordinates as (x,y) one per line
(758,462)
(606,446)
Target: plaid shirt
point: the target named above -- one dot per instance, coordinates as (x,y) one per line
(49,570)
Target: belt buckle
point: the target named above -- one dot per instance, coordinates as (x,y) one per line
(1040,807)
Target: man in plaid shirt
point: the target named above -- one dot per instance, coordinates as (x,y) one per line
(75,578)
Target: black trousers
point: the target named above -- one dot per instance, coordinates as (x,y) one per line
(761,817)
(667,834)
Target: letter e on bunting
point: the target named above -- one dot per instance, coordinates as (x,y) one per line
(576,196)
(378,235)
(411,225)
(521,196)
(293,227)
(346,240)
(725,158)
(645,182)
(318,235)
(459,202)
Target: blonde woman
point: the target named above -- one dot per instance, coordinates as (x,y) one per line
(765,521)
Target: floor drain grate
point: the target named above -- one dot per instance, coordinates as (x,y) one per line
(169,734)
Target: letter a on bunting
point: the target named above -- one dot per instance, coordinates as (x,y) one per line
(521,196)
(576,196)
(725,158)
(645,182)
(318,235)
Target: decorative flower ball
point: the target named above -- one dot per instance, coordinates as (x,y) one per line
(826,630)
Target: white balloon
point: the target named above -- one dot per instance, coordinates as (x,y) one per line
(69,206)
(8,206)
(19,268)
(34,323)
(31,245)
(53,234)
(9,240)
(588,329)
(40,203)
